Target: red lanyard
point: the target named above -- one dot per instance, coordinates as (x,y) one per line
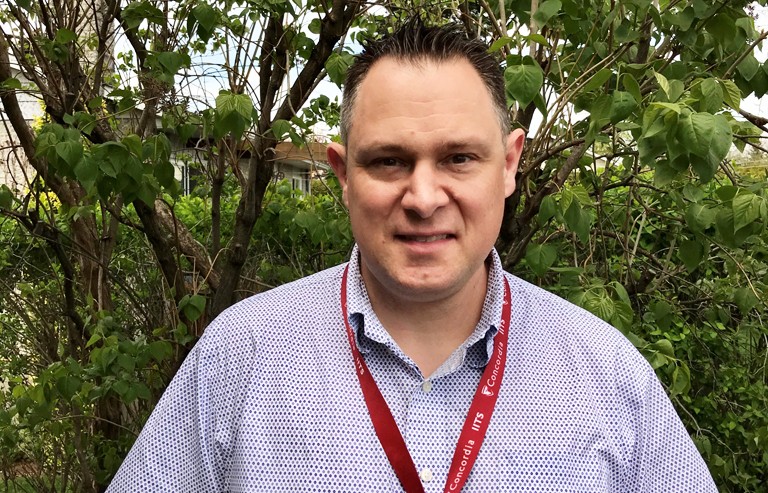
(475,425)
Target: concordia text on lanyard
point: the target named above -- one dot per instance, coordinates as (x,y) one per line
(475,424)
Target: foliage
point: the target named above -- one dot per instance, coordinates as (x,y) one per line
(625,202)
(674,272)
(129,354)
(113,276)
(300,234)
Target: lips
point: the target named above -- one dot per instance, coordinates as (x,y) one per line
(420,238)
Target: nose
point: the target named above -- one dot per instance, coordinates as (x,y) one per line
(425,191)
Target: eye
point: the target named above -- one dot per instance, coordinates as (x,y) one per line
(386,162)
(460,159)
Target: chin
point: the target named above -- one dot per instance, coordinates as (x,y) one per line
(419,290)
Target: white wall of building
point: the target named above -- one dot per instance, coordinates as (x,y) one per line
(14,170)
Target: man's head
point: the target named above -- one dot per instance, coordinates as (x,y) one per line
(425,168)
(416,44)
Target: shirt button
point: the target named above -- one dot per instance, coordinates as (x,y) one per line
(426,475)
(426,386)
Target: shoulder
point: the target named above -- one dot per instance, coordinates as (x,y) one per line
(309,298)
(297,316)
(564,358)
(569,336)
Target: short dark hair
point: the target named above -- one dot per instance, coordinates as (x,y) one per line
(414,42)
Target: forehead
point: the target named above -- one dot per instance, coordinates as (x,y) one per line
(427,93)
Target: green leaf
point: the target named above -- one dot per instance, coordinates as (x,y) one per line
(536,38)
(704,167)
(234,114)
(192,306)
(664,173)
(722,27)
(691,252)
(621,292)
(748,67)
(165,173)
(722,138)
(623,316)
(93,340)
(727,192)
(704,445)
(500,43)
(599,303)
(523,82)
(337,66)
(663,83)
(71,152)
(206,16)
(681,380)
(86,172)
(662,314)
(745,299)
(699,217)
(600,111)
(121,387)
(142,391)
(540,257)
(682,19)
(581,195)
(160,350)
(693,193)
(547,209)
(12,83)
(305,220)
(126,362)
(664,347)
(695,132)
(724,225)
(111,167)
(731,93)
(547,9)
(314,26)
(172,61)
(676,89)
(281,128)
(632,87)
(6,197)
(711,96)
(578,221)
(65,36)
(622,106)
(136,12)
(746,209)
(597,80)
(68,386)
(186,131)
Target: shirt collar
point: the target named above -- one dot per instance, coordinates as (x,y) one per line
(475,351)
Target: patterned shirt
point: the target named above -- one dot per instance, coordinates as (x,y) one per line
(268,401)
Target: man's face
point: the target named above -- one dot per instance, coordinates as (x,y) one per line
(424,175)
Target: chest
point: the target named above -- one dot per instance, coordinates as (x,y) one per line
(308,429)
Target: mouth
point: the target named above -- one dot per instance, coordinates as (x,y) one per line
(424,238)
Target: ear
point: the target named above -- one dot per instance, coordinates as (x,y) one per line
(515,141)
(337,158)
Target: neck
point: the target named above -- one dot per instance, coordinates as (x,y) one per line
(430,331)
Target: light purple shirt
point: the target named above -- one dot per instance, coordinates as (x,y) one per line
(268,401)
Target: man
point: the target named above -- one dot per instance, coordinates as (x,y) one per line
(420,365)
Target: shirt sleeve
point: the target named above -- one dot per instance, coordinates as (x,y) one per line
(177,449)
(665,458)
